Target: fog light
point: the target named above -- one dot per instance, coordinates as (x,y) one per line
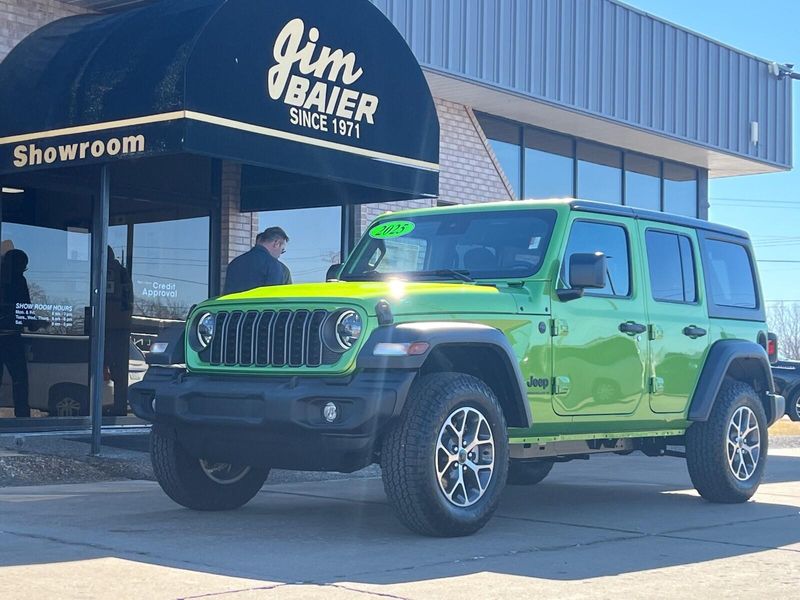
(331,412)
(159,347)
(153,404)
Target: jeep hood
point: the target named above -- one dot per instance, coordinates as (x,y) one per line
(404,297)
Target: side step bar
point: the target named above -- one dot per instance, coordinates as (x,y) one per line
(582,448)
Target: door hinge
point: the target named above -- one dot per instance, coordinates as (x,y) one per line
(558,328)
(656,385)
(561,385)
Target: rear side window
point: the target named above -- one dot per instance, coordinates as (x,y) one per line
(729,272)
(671,264)
(588,237)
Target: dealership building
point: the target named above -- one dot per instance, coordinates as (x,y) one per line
(144,144)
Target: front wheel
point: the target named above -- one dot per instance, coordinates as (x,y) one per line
(201,484)
(726,455)
(445,460)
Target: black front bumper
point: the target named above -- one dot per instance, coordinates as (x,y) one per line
(273,421)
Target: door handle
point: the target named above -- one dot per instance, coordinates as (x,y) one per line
(632,328)
(694,332)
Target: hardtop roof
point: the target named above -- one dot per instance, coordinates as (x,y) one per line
(588,206)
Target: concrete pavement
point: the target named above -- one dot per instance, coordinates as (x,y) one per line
(608,526)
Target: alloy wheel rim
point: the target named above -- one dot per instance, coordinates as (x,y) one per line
(797,406)
(68,407)
(743,444)
(223,473)
(465,457)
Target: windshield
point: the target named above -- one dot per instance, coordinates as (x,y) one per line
(451,245)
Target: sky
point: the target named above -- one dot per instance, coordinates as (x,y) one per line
(767,206)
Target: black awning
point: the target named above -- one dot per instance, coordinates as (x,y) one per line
(313,90)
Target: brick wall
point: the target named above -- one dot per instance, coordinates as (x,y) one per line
(18,18)
(470,171)
(239,230)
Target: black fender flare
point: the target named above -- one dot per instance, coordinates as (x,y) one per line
(721,356)
(449,333)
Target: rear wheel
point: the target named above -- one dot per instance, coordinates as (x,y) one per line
(793,406)
(201,484)
(445,460)
(726,455)
(528,472)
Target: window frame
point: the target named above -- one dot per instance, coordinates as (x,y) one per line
(718,311)
(488,120)
(590,292)
(678,234)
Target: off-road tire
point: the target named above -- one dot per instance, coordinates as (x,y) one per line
(706,447)
(528,472)
(793,406)
(408,455)
(182,478)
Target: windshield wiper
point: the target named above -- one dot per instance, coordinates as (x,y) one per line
(460,275)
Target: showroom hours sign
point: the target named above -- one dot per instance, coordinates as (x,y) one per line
(36,315)
(315,83)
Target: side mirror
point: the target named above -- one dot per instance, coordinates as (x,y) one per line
(586,271)
(333,272)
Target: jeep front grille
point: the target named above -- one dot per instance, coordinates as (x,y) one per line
(282,338)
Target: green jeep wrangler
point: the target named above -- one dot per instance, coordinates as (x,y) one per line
(466,347)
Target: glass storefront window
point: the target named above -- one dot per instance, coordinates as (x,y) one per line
(680,189)
(504,138)
(548,165)
(45,282)
(642,182)
(315,240)
(170,267)
(599,173)
(156,272)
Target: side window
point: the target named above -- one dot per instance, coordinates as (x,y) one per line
(730,275)
(671,265)
(588,237)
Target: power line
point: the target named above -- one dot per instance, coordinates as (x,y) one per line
(769,260)
(770,200)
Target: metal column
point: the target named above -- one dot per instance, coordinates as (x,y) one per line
(100,213)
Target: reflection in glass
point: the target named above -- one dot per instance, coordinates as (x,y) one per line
(315,240)
(504,138)
(508,157)
(548,165)
(671,266)
(731,276)
(44,300)
(170,267)
(680,189)
(642,182)
(612,240)
(599,173)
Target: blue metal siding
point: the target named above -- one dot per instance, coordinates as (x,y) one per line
(607,59)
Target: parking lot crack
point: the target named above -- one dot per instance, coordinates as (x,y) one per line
(120,552)
(507,554)
(257,588)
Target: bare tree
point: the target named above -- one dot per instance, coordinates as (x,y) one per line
(784,320)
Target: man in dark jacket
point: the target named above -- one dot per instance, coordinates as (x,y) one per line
(15,299)
(260,265)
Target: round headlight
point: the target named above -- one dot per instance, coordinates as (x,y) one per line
(348,328)
(205,329)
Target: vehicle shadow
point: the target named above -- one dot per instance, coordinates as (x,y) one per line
(602,518)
